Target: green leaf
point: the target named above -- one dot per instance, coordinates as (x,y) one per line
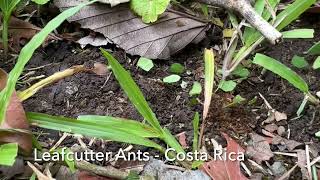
(281,70)
(227,86)
(130,126)
(292,12)
(88,129)
(149,9)
(177,68)
(195,124)
(132,90)
(318,134)
(8,154)
(69,162)
(298,33)
(172,79)
(7,6)
(315,49)
(27,52)
(145,64)
(316,64)
(196,89)
(41,2)
(241,72)
(299,62)
(238,99)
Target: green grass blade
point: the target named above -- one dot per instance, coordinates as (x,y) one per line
(208,80)
(172,141)
(281,70)
(195,124)
(132,90)
(292,12)
(8,154)
(88,129)
(298,33)
(130,126)
(27,52)
(315,49)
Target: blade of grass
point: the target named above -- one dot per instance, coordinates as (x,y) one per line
(292,12)
(315,49)
(298,33)
(209,80)
(281,70)
(27,52)
(132,90)
(130,126)
(88,129)
(195,124)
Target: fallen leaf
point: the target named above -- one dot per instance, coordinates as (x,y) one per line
(19,29)
(259,148)
(182,139)
(280,116)
(171,33)
(289,144)
(271,127)
(225,169)
(100,69)
(15,119)
(96,41)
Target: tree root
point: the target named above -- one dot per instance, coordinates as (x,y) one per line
(247,11)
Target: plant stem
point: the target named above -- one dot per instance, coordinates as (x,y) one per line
(5,35)
(248,12)
(313,99)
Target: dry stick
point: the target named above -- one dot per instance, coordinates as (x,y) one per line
(248,12)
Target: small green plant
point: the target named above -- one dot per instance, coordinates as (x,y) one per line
(6,6)
(286,73)
(28,50)
(227,86)
(113,128)
(252,38)
(315,49)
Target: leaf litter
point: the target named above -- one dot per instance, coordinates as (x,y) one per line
(171,33)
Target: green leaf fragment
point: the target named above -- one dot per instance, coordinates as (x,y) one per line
(8,154)
(298,33)
(145,64)
(177,68)
(41,2)
(227,86)
(149,10)
(241,72)
(196,89)
(172,79)
(299,62)
(315,49)
(316,64)
(281,70)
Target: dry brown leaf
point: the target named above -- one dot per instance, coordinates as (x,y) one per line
(259,148)
(280,116)
(271,127)
(182,139)
(100,69)
(226,169)
(289,144)
(19,29)
(15,119)
(171,33)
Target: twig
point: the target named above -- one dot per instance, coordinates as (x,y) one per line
(248,12)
